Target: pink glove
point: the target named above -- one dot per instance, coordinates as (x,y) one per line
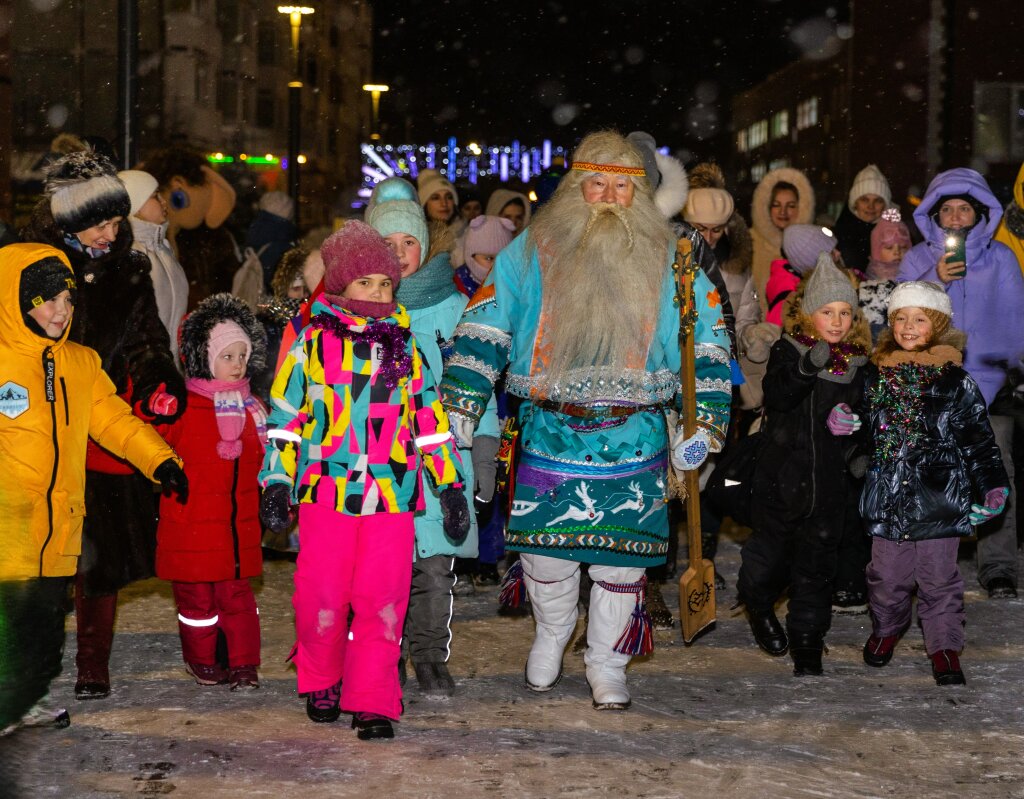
(161,403)
(842,421)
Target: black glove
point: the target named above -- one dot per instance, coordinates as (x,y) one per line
(858,466)
(276,507)
(815,358)
(172,480)
(455,511)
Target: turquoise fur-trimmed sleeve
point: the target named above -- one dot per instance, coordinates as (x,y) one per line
(711,349)
(483,338)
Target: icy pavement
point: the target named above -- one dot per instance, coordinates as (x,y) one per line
(717,718)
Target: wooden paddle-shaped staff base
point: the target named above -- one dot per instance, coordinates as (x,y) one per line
(697,583)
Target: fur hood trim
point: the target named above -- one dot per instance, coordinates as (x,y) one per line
(948,349)
(760,216)
(741,246)
(707,175)
(671,194)
(194,334)
(796,321)
(442,239)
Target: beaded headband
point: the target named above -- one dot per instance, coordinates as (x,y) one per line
(614,169)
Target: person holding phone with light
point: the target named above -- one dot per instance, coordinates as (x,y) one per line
(958,217)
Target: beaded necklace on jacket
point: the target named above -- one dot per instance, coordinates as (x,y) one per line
(395,361)
(840,353)
(899,393)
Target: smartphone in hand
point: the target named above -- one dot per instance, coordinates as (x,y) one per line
(956,247)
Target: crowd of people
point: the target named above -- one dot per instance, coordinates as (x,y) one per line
(451,392)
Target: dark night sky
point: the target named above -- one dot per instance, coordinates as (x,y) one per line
(494,70)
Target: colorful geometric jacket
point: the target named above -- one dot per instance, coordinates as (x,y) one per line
(355,403)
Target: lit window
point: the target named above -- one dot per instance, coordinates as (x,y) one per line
(999,122)
(780,124)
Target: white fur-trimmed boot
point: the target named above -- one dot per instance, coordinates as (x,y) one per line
(555,610)
(610,615)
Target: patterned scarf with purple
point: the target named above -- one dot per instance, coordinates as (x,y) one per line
(231,401)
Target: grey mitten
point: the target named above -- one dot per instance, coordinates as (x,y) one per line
(276,507)
(455,514)
(815,358)
(758,340)
(485,466)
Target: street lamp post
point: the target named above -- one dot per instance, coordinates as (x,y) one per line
(295,15)
(375,90)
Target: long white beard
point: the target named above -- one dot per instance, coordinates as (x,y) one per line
(603,266)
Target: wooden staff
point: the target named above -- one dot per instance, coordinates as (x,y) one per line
(697,583)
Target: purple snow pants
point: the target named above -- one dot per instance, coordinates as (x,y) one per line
(895,568)
(362,564)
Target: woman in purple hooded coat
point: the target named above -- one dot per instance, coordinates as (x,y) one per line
(986,290)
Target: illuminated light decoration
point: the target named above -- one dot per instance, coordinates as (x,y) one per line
(532,196)
(284,163)
(242,157)
(372,154)
(515,151)
(302,159)
(220,158)
(450,160)
(545,158)
(364,192)
(405,160)
(375,174)
(265,161)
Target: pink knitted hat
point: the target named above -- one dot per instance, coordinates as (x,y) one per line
(355,251)
(223,335)
(488,235)
(890,229)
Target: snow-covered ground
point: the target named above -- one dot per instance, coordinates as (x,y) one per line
(718,718)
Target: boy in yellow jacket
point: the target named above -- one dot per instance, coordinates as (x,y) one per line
(54,396)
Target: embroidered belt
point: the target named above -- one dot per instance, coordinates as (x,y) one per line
(598,412)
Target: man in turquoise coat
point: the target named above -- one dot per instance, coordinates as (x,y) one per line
(583,310)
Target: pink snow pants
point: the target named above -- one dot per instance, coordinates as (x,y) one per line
(227,605)
(362,564)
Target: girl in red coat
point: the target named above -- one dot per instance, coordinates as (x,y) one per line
(210,547)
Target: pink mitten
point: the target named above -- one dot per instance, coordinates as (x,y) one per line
(842,421)
(161,403)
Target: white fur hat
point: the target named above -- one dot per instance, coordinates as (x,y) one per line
(869,180)
(140,185)
(920,294)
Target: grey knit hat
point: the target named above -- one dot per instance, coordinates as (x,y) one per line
(827,284)
(84,191)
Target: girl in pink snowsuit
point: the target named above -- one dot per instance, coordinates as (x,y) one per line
(355,415)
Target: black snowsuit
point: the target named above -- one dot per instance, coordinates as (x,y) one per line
(804,495)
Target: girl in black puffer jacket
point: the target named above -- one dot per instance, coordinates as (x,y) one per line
(933,450)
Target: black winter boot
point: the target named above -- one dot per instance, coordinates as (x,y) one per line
(768,632)
(806,650)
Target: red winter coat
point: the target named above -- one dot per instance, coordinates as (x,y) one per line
(217,534)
